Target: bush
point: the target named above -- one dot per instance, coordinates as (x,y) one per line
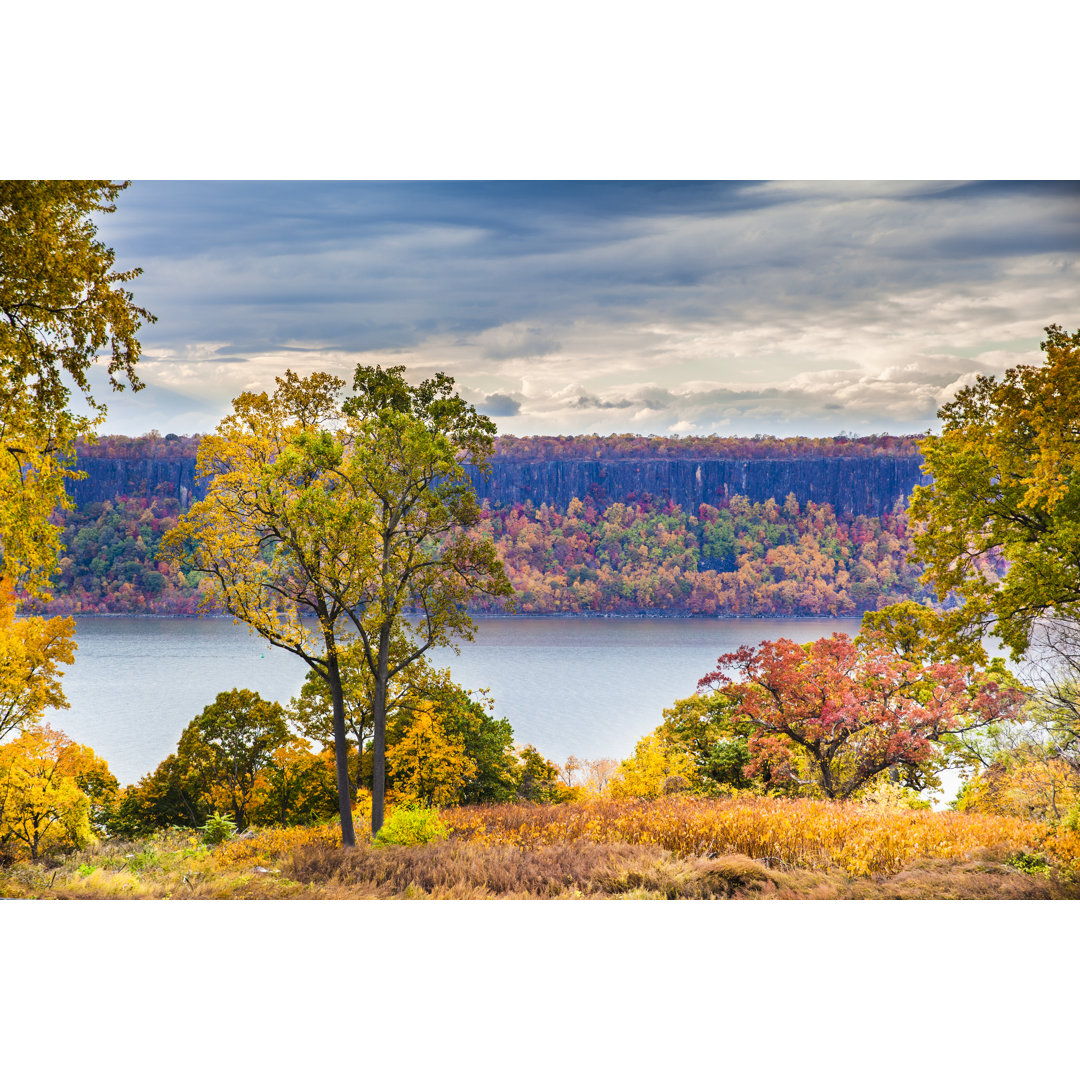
(218,827)
(411,825)
(1033,863)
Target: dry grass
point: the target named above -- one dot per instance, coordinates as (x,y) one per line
(454,870)
(269,845)
(666,849)
(861,841)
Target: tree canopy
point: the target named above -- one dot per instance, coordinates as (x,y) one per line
(31,652)
(61,304)
(52,792)
(1001,522)
(229,745)
(833,715)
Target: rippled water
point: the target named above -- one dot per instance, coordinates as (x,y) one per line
(590,687)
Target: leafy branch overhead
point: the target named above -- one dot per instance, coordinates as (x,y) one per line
(1006,471)
(61,305)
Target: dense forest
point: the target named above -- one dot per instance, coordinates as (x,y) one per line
(641,551)
(739,558)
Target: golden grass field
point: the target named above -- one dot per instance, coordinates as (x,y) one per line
(747,847)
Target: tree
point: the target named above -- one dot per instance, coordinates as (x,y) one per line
(598,774)
(656,768)
(417,442)
(538,778)
(61,303)
(1001,521)
(491,775)
(223,751)
(51,790)
(1032,767)
(426,763)
(355,513)
(832,715)
(31,650)
(1025,775)
(488,742)
(296,787)
(920,634)
(703,728)
(312,710)
(157,801)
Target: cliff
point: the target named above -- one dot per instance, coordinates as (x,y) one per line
(857,485)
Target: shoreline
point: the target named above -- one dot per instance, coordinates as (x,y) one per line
(475,616)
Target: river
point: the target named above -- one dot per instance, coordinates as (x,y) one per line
(589,687)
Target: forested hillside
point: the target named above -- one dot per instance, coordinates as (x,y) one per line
(622,546)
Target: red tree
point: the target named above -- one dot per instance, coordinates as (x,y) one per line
(853,711)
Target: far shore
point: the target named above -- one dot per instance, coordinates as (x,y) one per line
(488,615)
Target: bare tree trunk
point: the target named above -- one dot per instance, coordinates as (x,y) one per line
(188,807)
(341,751)
(828,785)
(378,719)
(360,758)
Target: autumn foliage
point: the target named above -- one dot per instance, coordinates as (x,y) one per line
(736,557)
(804,833)
(834,713)
(31,652)
(53,793)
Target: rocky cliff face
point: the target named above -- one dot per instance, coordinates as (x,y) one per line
(110,478)
(857,485)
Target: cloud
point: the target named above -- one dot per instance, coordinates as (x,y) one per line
(512,341)
(499,405)
(791,301)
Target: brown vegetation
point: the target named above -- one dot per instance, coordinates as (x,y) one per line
(859,840)
(176,866)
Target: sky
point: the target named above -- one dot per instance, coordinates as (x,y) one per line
(576,307)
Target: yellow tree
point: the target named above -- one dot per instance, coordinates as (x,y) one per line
(353,513)
(425,763)
(1006,471)
(48,789)
(31,650)
(61,304)
(295,788)
(657,768)
(312,710)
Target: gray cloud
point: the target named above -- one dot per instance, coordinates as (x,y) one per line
(499,405)
(646,297)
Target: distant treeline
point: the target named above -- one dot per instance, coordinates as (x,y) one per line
(577,447)
(645,534)
(739,558)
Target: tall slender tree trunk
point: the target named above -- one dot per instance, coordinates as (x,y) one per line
(341,751)
(378,720)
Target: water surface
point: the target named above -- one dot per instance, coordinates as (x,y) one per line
(589,687)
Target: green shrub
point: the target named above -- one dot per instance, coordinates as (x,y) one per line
(411,825)
(1030,864)
(218,827)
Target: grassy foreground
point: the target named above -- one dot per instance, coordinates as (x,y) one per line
(665,849)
